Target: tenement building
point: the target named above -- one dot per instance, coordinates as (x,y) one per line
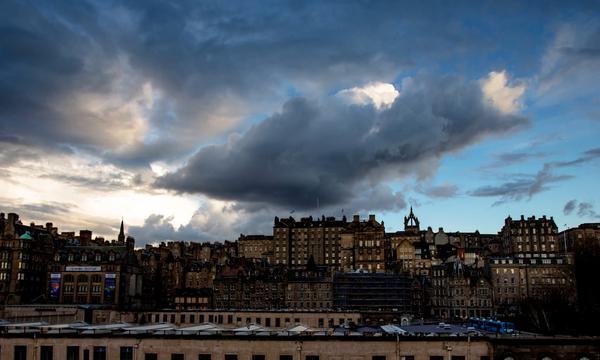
(459,291)
(364,246)
(87,271)
(309,289)
(519,278)
(256,247)
(530,236)
(25,253)
(296,242)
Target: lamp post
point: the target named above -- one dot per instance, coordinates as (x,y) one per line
(565,238)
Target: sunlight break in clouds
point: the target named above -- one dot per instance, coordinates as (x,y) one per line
(380,94)
(500,94)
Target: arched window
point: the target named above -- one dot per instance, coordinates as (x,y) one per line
(82,278)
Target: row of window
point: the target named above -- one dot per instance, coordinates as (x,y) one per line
(127,353)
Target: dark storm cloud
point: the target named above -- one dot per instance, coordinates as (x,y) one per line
(73,73)
(331,150)
(70,73)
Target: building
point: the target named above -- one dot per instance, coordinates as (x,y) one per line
(584,236)
(372,291)
(530,236)
(309,289)
(256,247)
(296,242)
(364,246)
(165,341)
(25,254)
(522,278)
(459,291)
(87,271)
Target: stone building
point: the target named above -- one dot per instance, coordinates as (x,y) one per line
(459,291)
(248,286)
(584,236)
(256,247)
(530,236)
(540,278)
(87,271)
(295,242)
(364,246)
(25,254)
(309,289)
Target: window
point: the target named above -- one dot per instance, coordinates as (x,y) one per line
(312,357)
(286,357)
(204,357)
(126,353)
(177,357)
(407,357)
(46,353)
(72,352)
(150,356)
(258,357)
(20,352)
(378,357)
(455,357)
(230,356)
(99,353)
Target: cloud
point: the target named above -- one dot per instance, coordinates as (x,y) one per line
(521,186)
(525,186)
(515,157)
(379,94)
(584,209)
(500,93)
(569,207)
(442,191)
(571,64)
(331,150)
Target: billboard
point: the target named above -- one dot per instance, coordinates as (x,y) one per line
(54,286)
(110,284)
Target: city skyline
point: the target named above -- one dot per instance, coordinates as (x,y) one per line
(204,121)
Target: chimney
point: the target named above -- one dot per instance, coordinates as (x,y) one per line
(9,229)
(356,218)
(372,218)
(85,236)
(49,227)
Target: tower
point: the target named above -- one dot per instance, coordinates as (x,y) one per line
(121,237)
(411,223)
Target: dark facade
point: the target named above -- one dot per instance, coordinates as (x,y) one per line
(372,291)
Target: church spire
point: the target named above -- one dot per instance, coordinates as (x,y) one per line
(121,237)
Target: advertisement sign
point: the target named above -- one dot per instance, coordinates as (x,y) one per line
(54,286)
(110,284)
(83,268)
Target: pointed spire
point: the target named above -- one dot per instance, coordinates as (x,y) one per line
(121,237)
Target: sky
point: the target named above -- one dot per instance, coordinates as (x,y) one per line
(199,121)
